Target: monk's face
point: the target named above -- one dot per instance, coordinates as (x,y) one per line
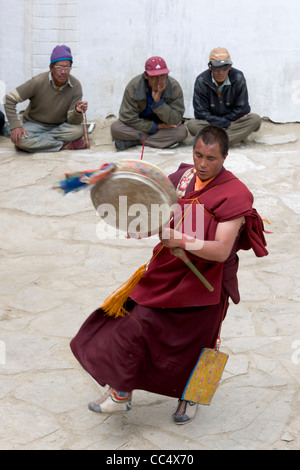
(208,160)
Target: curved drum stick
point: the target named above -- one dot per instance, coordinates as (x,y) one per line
(181,254)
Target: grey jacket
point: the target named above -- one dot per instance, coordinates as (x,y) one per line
(135,101)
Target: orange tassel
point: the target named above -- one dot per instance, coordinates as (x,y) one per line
(114,304)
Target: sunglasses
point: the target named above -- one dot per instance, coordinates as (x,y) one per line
(221,67)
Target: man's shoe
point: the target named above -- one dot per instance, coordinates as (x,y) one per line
(18,149)
(185,412)
(110,403)
(78,144)
(121,145)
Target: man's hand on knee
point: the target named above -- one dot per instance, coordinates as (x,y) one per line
(16,134)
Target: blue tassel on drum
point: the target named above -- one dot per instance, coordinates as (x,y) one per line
(76,181)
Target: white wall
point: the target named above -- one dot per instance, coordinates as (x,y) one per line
(111,39)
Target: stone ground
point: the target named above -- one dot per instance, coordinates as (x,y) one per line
(55,271)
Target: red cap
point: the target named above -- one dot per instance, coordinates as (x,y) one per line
(156,66)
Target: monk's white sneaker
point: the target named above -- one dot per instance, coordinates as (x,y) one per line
(110,403)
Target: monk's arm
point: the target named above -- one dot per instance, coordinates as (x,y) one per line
(216,250)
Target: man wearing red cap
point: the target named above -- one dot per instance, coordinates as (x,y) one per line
(53,118)
(151,110)
(221,99)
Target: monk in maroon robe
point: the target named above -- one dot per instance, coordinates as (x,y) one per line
(172,315)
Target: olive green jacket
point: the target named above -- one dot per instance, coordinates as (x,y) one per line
(135,101)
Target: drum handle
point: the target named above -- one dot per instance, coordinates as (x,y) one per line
(181,254)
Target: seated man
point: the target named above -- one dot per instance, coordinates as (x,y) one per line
(152,109)
(221,99)
(53,118)
(2,121)
(171,316)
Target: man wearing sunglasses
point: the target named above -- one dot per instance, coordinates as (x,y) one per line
(221,99)
(53,118)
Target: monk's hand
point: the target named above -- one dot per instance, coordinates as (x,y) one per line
(16,135)
(175,239)
(171,238)
(81,106)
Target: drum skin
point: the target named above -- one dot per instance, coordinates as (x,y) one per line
(137,197)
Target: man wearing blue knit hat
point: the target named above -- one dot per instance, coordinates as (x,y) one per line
(53,119)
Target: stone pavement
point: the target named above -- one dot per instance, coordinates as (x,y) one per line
(54,272)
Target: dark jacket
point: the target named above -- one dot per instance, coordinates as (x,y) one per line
(221,110)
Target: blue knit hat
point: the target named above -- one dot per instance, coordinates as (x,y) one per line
(61,53)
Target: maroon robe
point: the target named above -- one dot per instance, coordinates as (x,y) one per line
(172,314)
